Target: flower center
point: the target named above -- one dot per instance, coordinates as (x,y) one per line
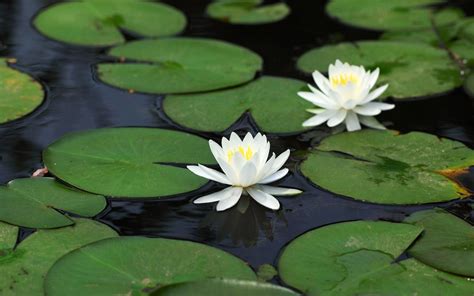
(343,79)
(246,153)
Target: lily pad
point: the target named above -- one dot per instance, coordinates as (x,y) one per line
(33,202)
(133,265)
(391,15)
(129,162)
(8,237)
(247,12)
(359,258)
(230,287)
(19,93)
(179,65)
(447,242)
(23,269)
(387,168)
(341,256)
(410,69)
(272,101)
(99,22)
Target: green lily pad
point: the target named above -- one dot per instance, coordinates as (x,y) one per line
(447,242)
(387,168)
(129,162)
(359,258)
(340,256)
(19,93)
(133,265)
(410,69)
(33,202)
(266,272)
(391,15)
(8,237)
(247,12)
(23,269)
(99,22)
(272,101)
(179,65)
(230,287)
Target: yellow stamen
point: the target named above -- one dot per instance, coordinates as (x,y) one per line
(247,154)
(343,79)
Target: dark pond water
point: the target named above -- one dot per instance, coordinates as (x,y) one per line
(75,100)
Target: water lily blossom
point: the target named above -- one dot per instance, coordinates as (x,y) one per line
(346,97)
(247,170)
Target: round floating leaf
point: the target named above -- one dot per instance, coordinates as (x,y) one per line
(384,167)
(247,12)
(272,101)
(19,93)
(34,202)
(266,272)
(129,162)
(411,69)
(391,15)
(24,269)
(130,265)
(229,287)
(447,242)
(180,65)
(98,22)
(341,256)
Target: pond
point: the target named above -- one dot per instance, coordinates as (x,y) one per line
(77,99)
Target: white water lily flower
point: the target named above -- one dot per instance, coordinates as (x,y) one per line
(346,97)
(247,169)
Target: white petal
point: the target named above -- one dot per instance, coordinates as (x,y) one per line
(216,196)
(231,200)
(321,81)
(278,190)
(264,198)
(352,122)
(228,171)
(238,162)
(315,99)
(367,109)
(337,118)
(235,140)
(277,164)
(248,140)
(374,94)
(208,173)
(382,106)
(320,118)
(371,122)
(373,77)
(315,111)
(248,174)
(216,149)
(274,177)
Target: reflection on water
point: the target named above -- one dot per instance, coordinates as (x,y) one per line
(77,101)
